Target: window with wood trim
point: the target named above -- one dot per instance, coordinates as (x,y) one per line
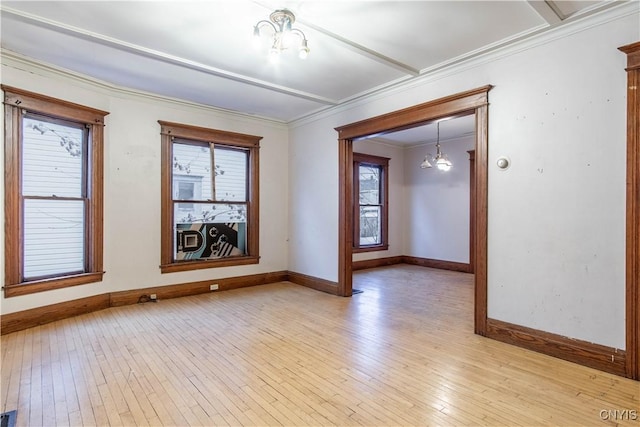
(370,204)
(210,198)
(53,193)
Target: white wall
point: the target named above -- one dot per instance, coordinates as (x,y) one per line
(132,184)
(556,217)
(396,196)
(313,201)
(437,203)
(428,209)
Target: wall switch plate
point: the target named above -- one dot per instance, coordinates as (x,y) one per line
(213,287)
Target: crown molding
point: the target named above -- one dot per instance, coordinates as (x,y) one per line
(522,42)
(159,55)
(18,61)
(389,143)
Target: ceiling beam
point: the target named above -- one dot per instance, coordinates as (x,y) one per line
(547,11)
(362,50)
(159,56)
(353,46)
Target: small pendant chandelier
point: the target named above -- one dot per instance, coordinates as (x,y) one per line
(441,161)
(283,34)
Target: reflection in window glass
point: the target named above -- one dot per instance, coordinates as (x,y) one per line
(53,190)
(204,173)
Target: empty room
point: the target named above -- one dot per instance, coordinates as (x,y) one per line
(311,213)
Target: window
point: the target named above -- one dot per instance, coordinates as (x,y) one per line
(209,198)
(187,188)
(370,216)
(53,193)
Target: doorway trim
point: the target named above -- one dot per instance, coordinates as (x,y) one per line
(475,101)
(632,259)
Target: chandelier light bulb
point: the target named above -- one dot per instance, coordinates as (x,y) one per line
(443,164)
(283,35)
(287,38)
(256,39)
(274,54)
(304,50)
(441,160)
(425,163)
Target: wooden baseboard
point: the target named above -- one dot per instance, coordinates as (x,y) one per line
(596,356)
(404,259)
(377,262)
(314,282)
(195,288)
(436,263)
(600,357)
(13,322)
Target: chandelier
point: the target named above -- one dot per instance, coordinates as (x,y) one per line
(283,35)
(441,160)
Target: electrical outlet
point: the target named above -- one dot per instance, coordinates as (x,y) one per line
(213,287)
(153,297)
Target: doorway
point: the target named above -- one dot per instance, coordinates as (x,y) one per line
(471,102)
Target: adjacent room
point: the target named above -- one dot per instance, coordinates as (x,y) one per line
(320,213)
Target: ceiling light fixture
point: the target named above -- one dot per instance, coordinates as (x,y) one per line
(281,22)
(441,160)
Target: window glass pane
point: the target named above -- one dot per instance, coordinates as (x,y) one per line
(209,231)
(210,212)
(53,237)
(192,164)
(186,190)
(370,226)
(369,185)
(231,175)
(52,159)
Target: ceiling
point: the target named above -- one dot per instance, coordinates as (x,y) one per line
(201,51)
(450,129)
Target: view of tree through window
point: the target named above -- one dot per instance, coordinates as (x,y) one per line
(214,180)
(370,205)
(53,191)
(210,198)
(370,193)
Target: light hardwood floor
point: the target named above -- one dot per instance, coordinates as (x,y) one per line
(400,353)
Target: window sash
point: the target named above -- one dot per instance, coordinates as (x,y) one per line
(51,141)
(19,104)
(215,184)
(216,226)
(218,231)
(62,234)
(51,179)
(370,225)
(172,133)
(370,234)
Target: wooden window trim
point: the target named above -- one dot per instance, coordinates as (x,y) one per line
(15,101)
(383,163)
(168,131)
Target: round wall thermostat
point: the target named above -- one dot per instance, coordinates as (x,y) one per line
(503,162)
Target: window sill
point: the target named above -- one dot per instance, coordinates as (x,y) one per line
(370,248)
(198,265)
(43,285)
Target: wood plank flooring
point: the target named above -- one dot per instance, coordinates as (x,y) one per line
(402,352)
